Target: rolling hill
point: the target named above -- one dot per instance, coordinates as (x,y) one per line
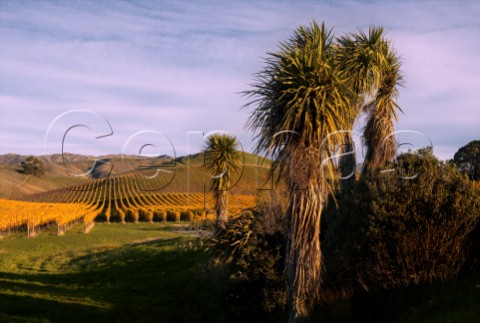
(122,188)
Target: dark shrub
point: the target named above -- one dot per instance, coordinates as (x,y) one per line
(391,231)
(251,251)
(467,159)
(33,166)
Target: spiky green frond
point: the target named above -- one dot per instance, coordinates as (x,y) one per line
(382,113)
(223,159)
(300,97)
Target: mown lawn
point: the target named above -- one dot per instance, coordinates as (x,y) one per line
(116,273)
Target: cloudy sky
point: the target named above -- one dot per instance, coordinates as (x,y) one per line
(147,71)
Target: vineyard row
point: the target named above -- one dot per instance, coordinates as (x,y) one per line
(118,198)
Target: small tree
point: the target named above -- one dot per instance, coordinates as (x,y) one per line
(312,89)
(222,158)
(467,159)
(33,166)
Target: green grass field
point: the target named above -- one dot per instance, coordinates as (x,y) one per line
(155,272)
(123,273)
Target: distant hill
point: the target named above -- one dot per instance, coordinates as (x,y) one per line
(14,184)
(95,166)
(199,159)
(55,158)
(68,157)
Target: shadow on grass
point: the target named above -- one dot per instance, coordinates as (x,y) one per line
(152,281)
(456,300)
(29,308)
(163,281)
(176,226)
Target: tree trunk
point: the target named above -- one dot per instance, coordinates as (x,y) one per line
(304,255)
(307,190)
(60,230)
(221,208)
(347,163)
(380,141)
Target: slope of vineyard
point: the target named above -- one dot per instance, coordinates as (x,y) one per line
(177,190)
(128,196)
(185,174)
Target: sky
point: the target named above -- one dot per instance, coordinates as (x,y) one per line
(156,76)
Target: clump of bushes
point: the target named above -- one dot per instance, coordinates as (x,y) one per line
(33,166)
(251,253)
(418,223)
(401,227)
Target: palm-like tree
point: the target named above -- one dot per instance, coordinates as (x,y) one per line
(311,88)
(222,158)
(382,113)
(372,67)
(300,98)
